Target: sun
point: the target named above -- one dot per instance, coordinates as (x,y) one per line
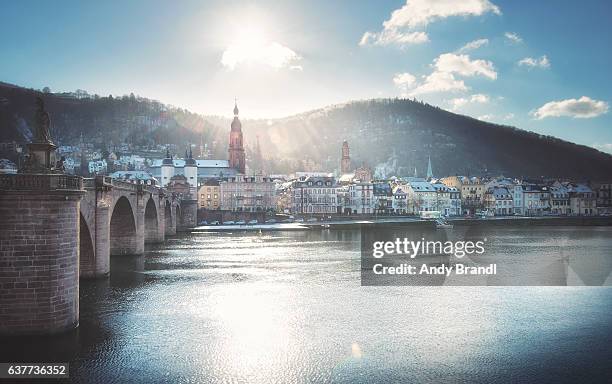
(251,45)
(250,36)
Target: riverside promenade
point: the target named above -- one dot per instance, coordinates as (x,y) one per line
(352,223)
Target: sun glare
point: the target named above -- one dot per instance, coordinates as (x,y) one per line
(252,46)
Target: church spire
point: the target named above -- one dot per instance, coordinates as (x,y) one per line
(429,170)
(236,147)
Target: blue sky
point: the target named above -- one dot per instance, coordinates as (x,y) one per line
(538,65)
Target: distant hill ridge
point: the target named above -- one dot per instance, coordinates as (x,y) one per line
(392,136)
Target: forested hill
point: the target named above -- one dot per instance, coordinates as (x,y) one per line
(394,136)
(103,120)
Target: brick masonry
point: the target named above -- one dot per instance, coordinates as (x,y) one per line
(39,261)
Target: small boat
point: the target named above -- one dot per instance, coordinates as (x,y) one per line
(443,224)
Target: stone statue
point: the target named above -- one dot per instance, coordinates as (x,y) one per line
(41,151)
(42,123)
(59,165)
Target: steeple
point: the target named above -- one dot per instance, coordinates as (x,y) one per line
(415,172)
(429,170)
(345,162)
(236,145)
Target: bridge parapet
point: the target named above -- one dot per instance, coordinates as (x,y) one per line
(40,182)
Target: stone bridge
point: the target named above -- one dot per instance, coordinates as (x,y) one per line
(118,218)
(56,229)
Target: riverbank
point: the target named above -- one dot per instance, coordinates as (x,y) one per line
(414,221)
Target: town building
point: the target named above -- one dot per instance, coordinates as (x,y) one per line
(252,193)
(363,174)
(421,195)
(97,167)
(472,191)
(400,199)
(314,195)
(283,195)
(536,199)
(517,198)
(209,195)
(135,177)
(361,198)
(583,201)
(165,169)
(604,199)
(498,201)
(448,199)
(559,199)
(178,184)
(383,197)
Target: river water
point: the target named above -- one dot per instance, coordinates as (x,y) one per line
(288,306)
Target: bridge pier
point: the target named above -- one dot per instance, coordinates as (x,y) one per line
(189,215)
(39,253)
(102,238)
(140,223)
(170,217)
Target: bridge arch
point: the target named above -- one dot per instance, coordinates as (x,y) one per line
(123,239)
(87,263)
(151,227)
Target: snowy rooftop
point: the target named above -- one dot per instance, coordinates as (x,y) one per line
(179,163)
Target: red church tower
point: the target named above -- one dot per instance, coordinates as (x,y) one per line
(236,148)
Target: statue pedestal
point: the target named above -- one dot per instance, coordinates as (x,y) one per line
(44,153)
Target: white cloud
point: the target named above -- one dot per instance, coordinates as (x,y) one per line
(393,37)
(298,68)
(472,45)
(443,78)
(531,62)
(477,98)
(493,118)
(417,14)
(582,108)
(404,81)
(440,82)
(605,147)
(462,65)
(270,54)
(513,37)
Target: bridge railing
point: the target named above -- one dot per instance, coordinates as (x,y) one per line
(42,182)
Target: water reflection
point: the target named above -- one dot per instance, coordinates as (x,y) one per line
(288,307)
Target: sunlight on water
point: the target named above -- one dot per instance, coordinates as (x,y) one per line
(288,307)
